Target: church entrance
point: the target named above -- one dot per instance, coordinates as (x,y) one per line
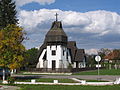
(53,64)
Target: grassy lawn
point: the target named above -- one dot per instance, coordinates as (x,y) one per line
(102,72)
(62,87)
(47,80)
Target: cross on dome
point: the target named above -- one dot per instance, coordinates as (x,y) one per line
(56,16)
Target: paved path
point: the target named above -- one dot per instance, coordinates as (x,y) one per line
(3,87)
(92,77)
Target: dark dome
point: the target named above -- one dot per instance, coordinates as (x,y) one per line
(56,34)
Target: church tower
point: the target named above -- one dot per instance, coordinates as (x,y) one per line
(56,51)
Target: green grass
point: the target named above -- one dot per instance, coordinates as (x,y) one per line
(62,87)
(47,80)
(102,72)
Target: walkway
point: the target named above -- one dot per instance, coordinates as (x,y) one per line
(86,77)
(3,87)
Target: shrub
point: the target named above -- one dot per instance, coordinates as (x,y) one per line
(11,80)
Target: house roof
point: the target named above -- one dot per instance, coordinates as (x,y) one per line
(80,55)
(71,45)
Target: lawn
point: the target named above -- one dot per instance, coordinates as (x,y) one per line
(62,87)
(102,72)
(47,80)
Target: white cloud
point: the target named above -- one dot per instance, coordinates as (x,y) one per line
(91,51)
(99,22)
(94,23)
(23,2)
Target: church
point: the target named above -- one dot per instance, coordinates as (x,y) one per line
(57,53)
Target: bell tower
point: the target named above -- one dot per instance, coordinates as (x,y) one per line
(56,41)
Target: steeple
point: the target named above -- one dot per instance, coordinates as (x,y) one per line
(56,34)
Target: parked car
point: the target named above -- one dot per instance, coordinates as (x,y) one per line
(7,73)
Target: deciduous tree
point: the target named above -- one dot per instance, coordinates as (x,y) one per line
(11,48)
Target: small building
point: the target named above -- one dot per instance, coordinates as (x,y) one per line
(57,53)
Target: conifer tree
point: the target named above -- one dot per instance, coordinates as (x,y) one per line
(7,13)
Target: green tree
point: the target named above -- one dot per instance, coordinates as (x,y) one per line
(7,13)
(91,60)
(32,55)
(12,52)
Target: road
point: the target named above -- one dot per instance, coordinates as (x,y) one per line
(86,77)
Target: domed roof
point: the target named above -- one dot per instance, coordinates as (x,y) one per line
(56,34)
(56,29)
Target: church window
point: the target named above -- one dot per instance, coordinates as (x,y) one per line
(53,52)
(63,52)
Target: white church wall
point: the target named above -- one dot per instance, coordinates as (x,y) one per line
(40,63)
(74,65)
(84,63)
(51,57)
(69,57)
(64,56)
(60,58)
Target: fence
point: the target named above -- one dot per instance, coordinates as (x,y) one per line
(59,70)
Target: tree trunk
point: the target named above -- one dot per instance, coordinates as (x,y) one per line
(3,74)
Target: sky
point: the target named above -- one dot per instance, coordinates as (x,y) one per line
(93,24)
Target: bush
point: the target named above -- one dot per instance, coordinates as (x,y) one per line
(11,80)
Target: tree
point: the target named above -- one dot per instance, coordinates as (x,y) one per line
(103,52)
(11,48)
(32,55)
(91,60)
(7,13)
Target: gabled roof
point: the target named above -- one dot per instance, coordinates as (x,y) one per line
(76,54)
(80,55)
(71,45)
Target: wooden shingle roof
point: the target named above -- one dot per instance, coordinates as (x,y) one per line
(56,34)
(76,54)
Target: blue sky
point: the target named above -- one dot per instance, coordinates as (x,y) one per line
(93,24)
(77,5)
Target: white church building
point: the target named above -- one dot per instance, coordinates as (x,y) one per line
(57,53)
